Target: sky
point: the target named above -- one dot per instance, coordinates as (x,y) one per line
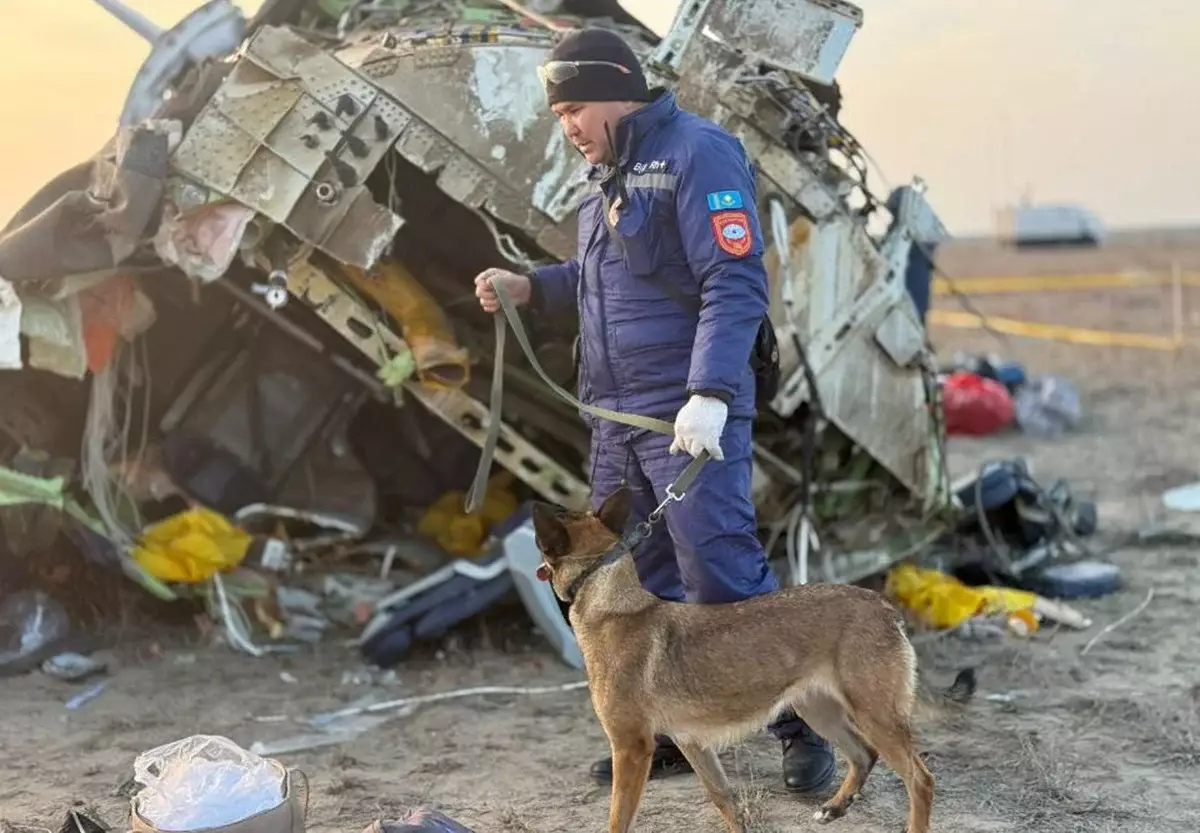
(1095,102)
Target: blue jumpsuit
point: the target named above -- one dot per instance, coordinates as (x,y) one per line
(687,217)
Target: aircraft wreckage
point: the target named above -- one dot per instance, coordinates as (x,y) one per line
(283,234)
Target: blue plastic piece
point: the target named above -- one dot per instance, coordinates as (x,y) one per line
(434,612)
(1010,374)
(433,605)
(1079,580)
(1002,482)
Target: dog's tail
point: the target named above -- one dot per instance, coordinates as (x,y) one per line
(957,694)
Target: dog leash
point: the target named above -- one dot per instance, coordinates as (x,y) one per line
(675,491)
(640,532)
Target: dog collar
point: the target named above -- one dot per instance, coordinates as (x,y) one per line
(626,544)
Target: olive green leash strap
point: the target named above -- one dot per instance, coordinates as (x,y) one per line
(479,487)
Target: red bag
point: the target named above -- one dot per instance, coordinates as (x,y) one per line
(974,405)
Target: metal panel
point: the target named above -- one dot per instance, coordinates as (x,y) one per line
(809,37)
(860,338)
(215,150)
(293,134)
(535,468)
(801,182)
(484,99)
(348,316)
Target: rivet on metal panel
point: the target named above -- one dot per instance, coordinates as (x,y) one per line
(436,56)
(327,193)
(381,69)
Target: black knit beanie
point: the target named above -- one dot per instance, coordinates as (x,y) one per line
(597,82)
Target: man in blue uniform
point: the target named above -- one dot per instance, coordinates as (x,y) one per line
(670,289)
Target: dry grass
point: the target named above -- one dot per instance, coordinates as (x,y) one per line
(513,820)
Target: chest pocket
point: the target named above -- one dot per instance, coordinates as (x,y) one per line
(639,230)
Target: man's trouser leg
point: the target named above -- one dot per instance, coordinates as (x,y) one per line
(614,464)
(715,533)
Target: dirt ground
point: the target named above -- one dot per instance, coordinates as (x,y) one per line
(1056,741)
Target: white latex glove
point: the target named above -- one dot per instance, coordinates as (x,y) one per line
(698,427)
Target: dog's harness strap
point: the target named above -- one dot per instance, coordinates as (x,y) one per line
(496,401)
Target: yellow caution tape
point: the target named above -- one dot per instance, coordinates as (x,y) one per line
(1054,332)
(1056,283)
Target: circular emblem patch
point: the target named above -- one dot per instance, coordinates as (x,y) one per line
(734,231)
(731,230)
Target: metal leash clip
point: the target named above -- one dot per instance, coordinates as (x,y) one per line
(667,501)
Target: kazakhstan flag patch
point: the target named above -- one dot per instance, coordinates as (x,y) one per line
(724,200)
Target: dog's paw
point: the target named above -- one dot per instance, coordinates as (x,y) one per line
(828,814)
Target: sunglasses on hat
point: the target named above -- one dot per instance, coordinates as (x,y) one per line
(556,72)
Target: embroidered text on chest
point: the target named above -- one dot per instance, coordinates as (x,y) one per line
(656,167)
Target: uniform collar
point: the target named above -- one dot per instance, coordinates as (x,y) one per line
(631,129)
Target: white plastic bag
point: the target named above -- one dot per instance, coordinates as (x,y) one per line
(1047,407)
(205,781)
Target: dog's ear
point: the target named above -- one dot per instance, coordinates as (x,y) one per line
(614,512)
(552,537)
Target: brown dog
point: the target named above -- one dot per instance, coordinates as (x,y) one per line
(708,675)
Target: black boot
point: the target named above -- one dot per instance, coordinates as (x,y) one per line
(668,761)
(808,762)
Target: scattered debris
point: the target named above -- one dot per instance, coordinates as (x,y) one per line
(975,405)
(1183,498)
(1047,406)
(72,667)
(420,820)
(1077,579)
(478,691)
(331,733)
(985,395)
(1023,526)
(943,602)
(32,627)
(87,695)
(1107,629)
(283,410)
(191,547)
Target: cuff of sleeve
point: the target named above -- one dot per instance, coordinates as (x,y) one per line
(537,297)
(724,396)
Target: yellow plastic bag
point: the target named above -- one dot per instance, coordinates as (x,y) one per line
(459,533)
(190,547)
(423,324)
(942,601)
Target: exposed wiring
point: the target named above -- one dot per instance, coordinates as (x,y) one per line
(106,439)
(813,118)
(786,89)
(803,526)
(233,617)
(505,244)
